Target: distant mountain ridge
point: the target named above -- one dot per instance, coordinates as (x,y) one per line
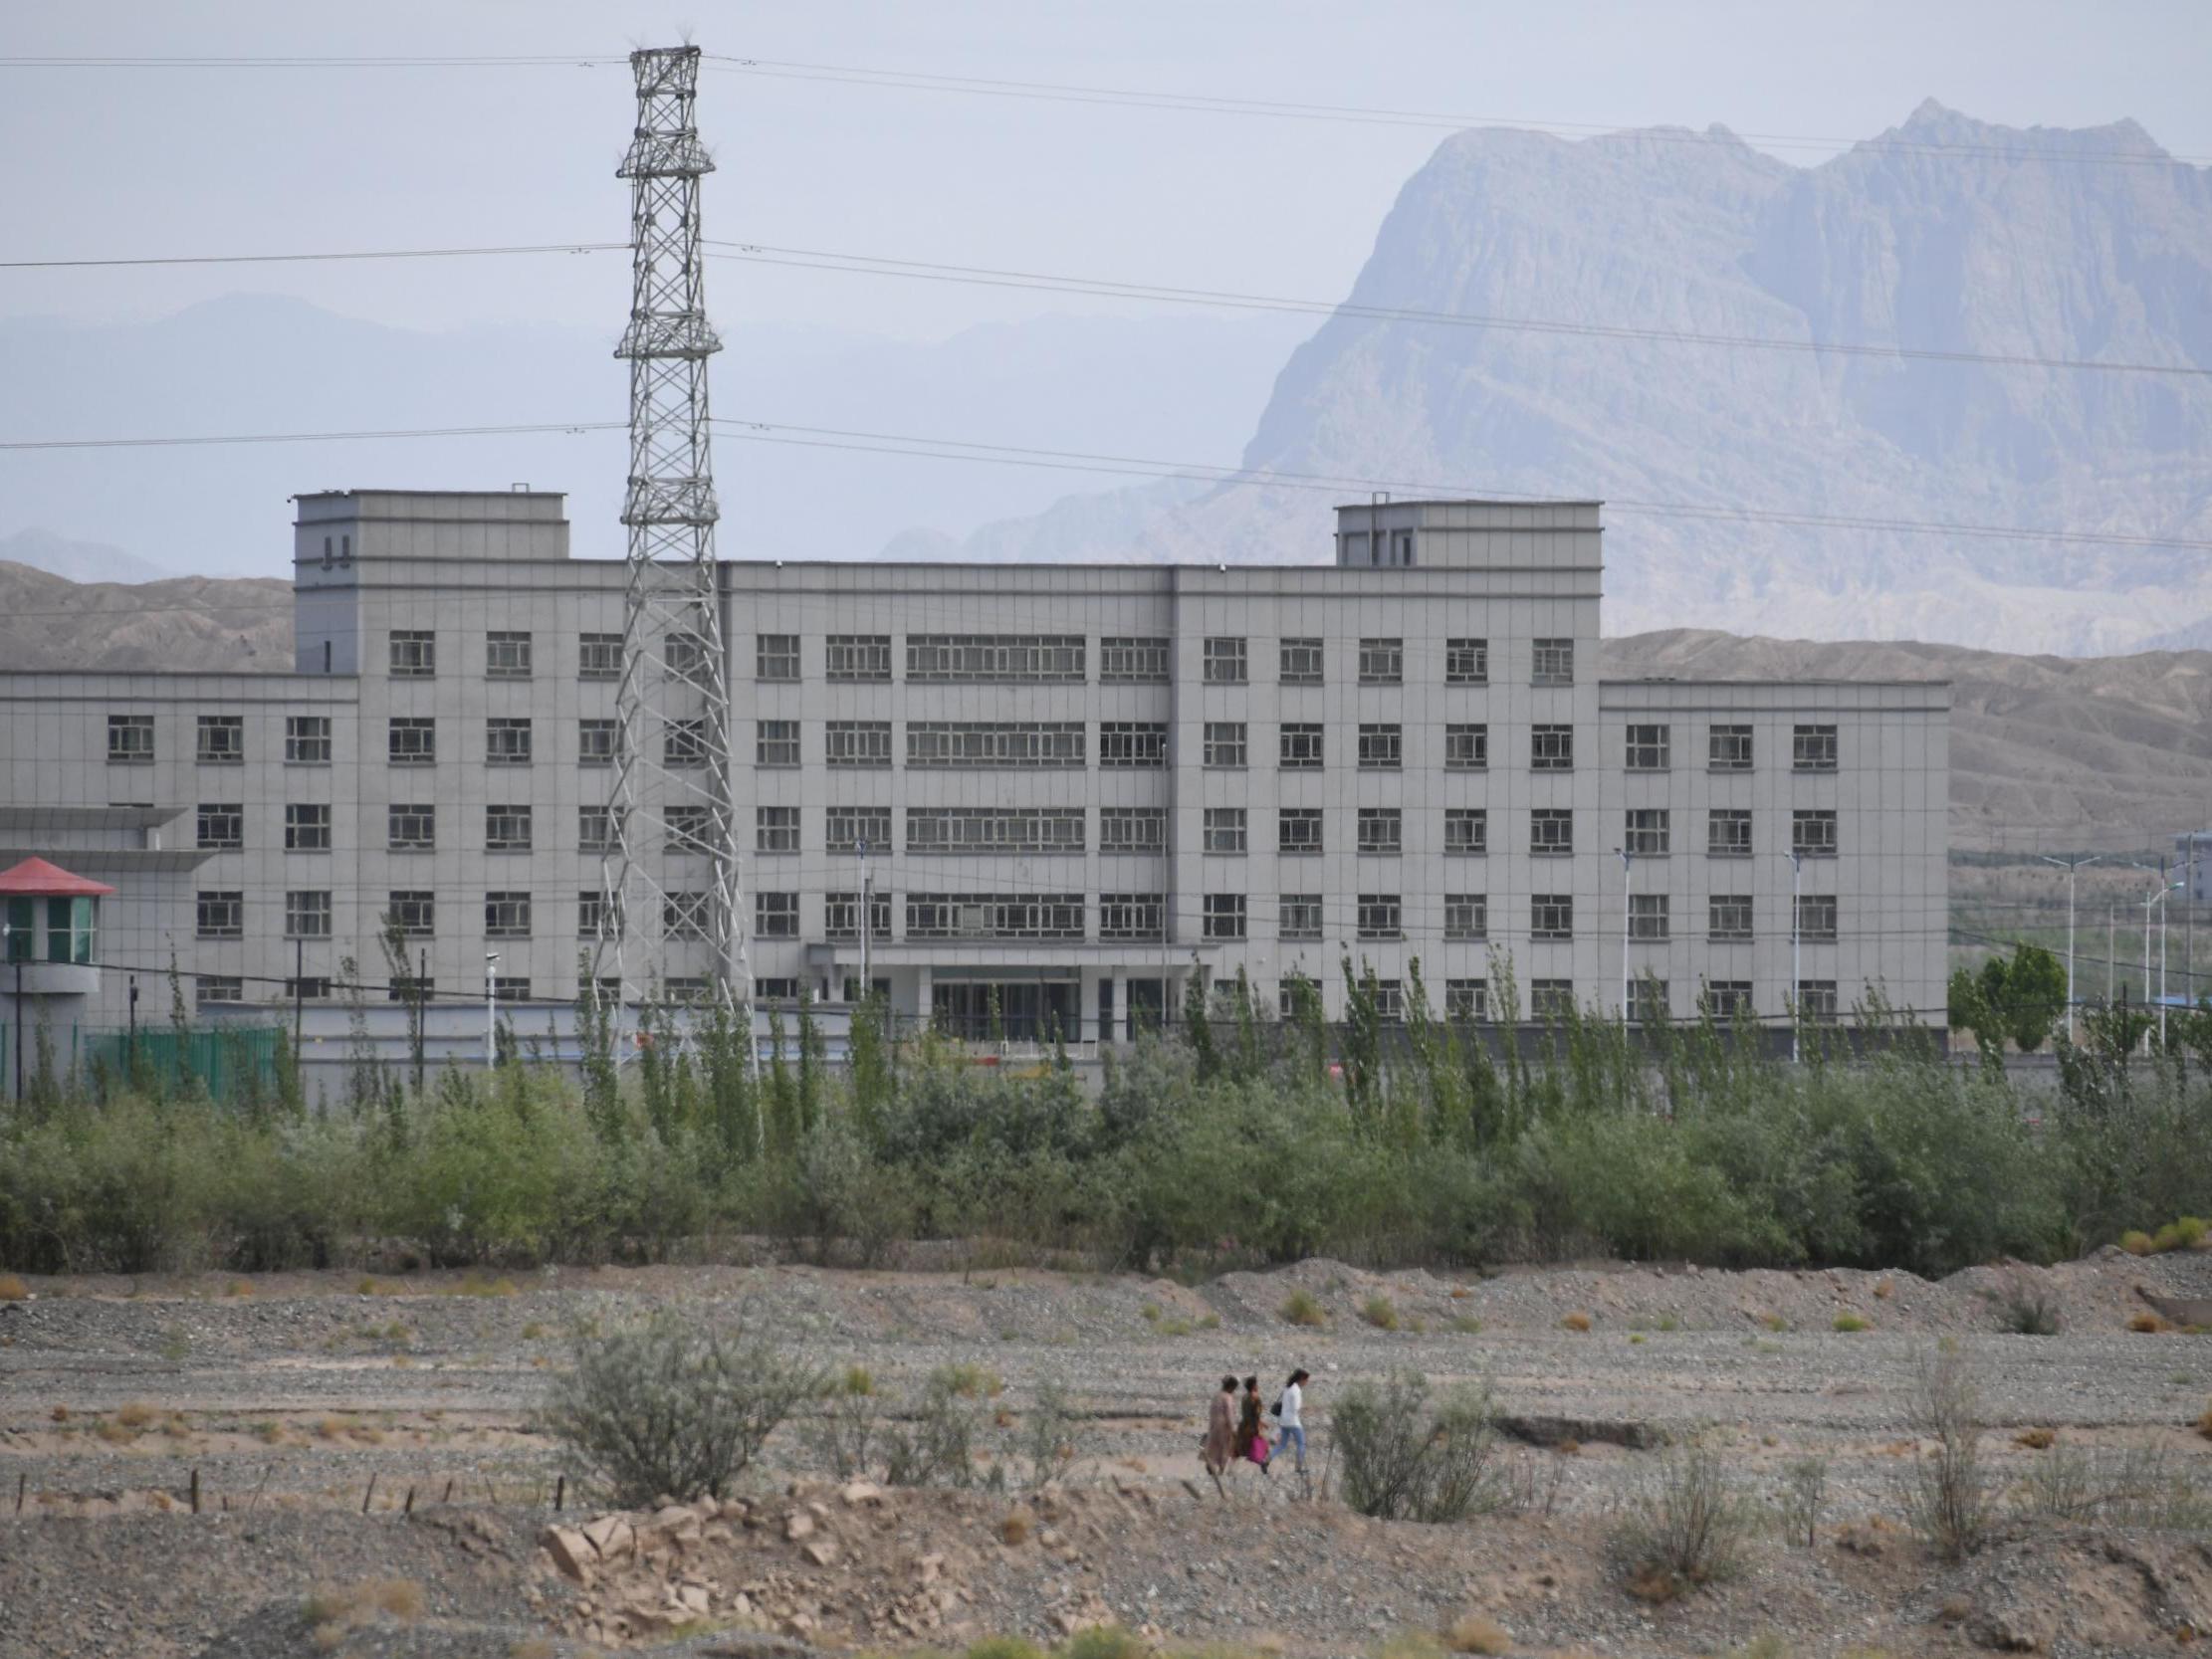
(1945,235)
(77,561)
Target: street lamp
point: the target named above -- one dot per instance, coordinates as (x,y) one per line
(2157,897)
(1628,878)
(1796,976)
(491,1009)
(867,917)
(2070,864)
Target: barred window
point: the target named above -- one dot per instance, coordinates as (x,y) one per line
(1298,830)
(1466,999)
(599,741)
(1728,748)
(1648,917)
(1551,1000)
(412,741)
(1466,661)
(1381,915)
(680,989)
(683,655)
(605,992)
(405,987)
(845,828)
(1224,829)
(841,916)
(1551,748)
(222,915)
(1223,916)
(1813,834)
(1224,744)
(1725,999)
(414,654)
(507,916)
(1382,662)
(505,655)
(597,913)
(1551,916)
(411,828)
(775,743)
(1380,747)
(1553,663)
(1299,916)
(1728,832)
(994,829)
(1813,749)
(1728,918)
(775,657)
(775,829)
(1647,832)
(853,743)
(1225,663)
(859,656)
(1132,743)
(507,741)
(595,829)
(413,911)
(1381,830)
(222,739)
(1815,916)
(218,988)
(1132,829)
(131,740)
(1466,916)
(684,742)
(307,914)
(1017,658)
(598,656)
(995,743)
(222,826)
(507,829)
(1299,746)
(307,740)
(1300,662)
(1132,662)
(307,829)
(993,916)
(511,988)
(1467,748)
(1648,1002)
(1816,1001)
(685,913)
(1649,747)
(689,829)
(1390,1002)
(1551,831)
(1132,915)
(1466,831)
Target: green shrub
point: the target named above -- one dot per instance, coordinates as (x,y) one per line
(1105,1641)
(1411,1457)
(1849,1322)
(1302,1306)
(1685,1525)
(1380,1312)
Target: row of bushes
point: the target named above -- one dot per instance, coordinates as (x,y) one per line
(1232,1142)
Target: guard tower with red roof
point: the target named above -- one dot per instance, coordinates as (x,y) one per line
(49,941)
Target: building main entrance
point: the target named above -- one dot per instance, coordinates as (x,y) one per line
(1021,1010)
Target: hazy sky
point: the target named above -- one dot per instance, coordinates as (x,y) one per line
(138,161)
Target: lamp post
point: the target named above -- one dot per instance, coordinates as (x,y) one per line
(1797,977)
(867,917)
(2070,864)
(491,1010)
(1627,881)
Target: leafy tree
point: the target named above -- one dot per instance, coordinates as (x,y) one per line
(2033,997)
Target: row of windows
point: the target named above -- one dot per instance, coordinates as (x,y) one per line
(1121,916)
(412,741)
(508,654)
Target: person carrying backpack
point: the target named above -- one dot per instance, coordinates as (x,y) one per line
(1289,1417)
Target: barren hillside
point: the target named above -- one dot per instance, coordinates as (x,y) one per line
(188,622)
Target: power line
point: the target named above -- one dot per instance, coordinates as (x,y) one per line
(521,428)
(309,259)
(1203,103)
(456,60)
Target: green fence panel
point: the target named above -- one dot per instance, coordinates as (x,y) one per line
(232,1061)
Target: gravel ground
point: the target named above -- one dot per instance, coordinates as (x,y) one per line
(288,1395)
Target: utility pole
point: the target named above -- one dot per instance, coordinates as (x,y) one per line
(491,1011)
(867,920)
(1628,879)
(1796,976)
(672,766)
(2070,864)
(422,1003)
(298,995)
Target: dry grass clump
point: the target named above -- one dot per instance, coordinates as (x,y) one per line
(239,1287)
(2147,1324)
(1574,1321)
(476,1285)
(1473,1633)
(2034,1439)
(1302,1306)
(1105,1641)
(968,1380)
(335,1610)
(138,1414)
(1848,1321)
(2137,1243)
(1685,1525)
(1884,1289)
(1466,1325)
(2204,1424)
(1015,1528)
(531,1647)
(113,1432)
(13,1288)
(1949,1496)
(1380,1312)
(1775,1322)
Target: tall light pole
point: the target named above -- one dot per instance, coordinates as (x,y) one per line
(1797,977)
(491,1010)
(2070,864)
(867,919)
(1627,882)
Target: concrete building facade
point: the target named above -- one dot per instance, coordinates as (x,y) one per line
(1078,787)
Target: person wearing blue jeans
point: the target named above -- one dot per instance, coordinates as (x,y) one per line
(1289,1417)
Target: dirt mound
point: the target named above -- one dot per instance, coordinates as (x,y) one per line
(2103,1591)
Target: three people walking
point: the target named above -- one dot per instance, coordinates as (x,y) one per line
(1234,1428)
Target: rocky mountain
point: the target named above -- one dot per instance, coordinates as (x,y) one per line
(238,626)
(1944,235)
(80,561)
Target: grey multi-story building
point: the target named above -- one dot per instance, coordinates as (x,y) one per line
(1079,785)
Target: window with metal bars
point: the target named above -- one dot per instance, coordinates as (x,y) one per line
(1300,662)
(1128,661)
(1648,916)
(1017,658)
(992,745)
(1551,831)
(775,829)
(222,826)
(1299,746)
(598,656)
(1551,916)
(858,656)
(507,741)
(860,743)
(994,915)
(1125,744)
(1224,829)
(1381,915)
(1649,747)
(1647,831)
(505,655)
(1132,915)
(1813,749)
(506,915)
(845,828)
(1382,662)
(1467,748)
(1728,918)
(507,829)
(841,916)
(1381,830)
(1382,748)
(1466,916)
(1728,832)
(1466,661)
(1224,744)
(1813,832)
(1552,662)
(775,743)
(1223,915)
(1298,830)
(775,657)
(307,740)
(411,827)
(306,914)
(222,739)
(413,911)
(1299,915)
(1466,831)
(1132,829)
(1728,748)
(1225,662)
(994,829)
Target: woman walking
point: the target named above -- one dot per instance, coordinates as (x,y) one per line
(1251,1439)
(1291,1419)
(1221,1432)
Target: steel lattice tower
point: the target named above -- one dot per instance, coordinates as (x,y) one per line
(671,878)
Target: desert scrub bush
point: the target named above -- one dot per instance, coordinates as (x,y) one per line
(2136,1242)
(843,1434)
(1105,1641)
(1411,1456)
(1804,1497)
(1380,1312)
(335,1610)
(1849,1322)
(938,1447)
(968,1380)
(1045,1440)
(672,1403)
(1003,1647)
(1302,1306)
(1949,1498)
(1473,1633)
(1685,1523)
(2027,1309)
(12,1288)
